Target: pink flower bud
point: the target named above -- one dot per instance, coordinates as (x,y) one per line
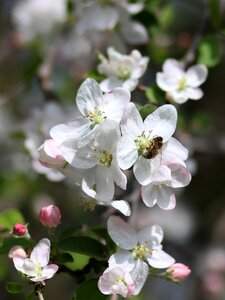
(50,216)
(19,229)
(179,272)
(50,155)
(17,251)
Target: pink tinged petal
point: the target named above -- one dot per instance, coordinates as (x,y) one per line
(181,176)
(41,252)
(51,155)
(174,152)
(163,175)
(162,122)
(134,33)
(194,93)
(17,251)
(127,152)
(123,206)
(122,258)
(121,233)
(151,236)
(119,289)
(104,183)
(160,259)
(89,96)
(196,75)
(49,271)
(166,82)
(144,169)
(132,123)
(139,275)
(166,198)
(149,195)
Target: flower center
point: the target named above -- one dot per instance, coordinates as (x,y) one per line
(182,84)
(123,73)
(96,117)
(140,251)
(120,281)
(38,269)
(88,205)
(147,147)
(105,158)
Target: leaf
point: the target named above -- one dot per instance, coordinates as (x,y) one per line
(146,110)
(64,258)
(10,217)
(14,287)
(215,11)
(155,95)
(209,51)
(79,262)
(8,243)
(83,245)
(95,75)
(68,232)
(103,233)
(88,290)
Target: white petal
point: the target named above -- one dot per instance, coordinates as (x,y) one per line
(173,68)
(28,267)
(104,183)
(174,151)
(194,93)
(160,259)
(110,83)
(121,233)
(89,96)
(196,75)
(179,97)
(123,206)
(151,236)
(130,84)
(41,252)
(49,271)
(144,169)
(135,8)
(122,258)
(162,122)
(166,198)
(134,33)
(127,152)
(132,124)
(166,82)
(139,274)
(162,176)
(85,158)
(18,263)
(149,195)
(108,135)
(181,176)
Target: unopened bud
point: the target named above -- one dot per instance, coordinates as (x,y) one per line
(50,155)
(17,251)
(50,216)
(19,229)
(178,272)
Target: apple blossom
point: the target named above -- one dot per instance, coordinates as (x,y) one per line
(17,251)
(140,249)
(179,84)
(19,229)
(50,216)
(36,267)
(95,109)
(99,157)
(142,143)
(115,280)
(178,272)
(122,70)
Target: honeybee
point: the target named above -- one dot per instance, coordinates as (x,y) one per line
(153,148)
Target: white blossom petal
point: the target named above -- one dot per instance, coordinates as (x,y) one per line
(160,259)
(151,236)
(123,206)
(194,93)
(139,275)
(144,169)
(104,183)
(196,75)
(127,152)
(41,252)
(124,259)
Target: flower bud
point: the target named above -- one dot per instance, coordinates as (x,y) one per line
(17,251)
(50,155)
(50,216)
(178,272)
(19,229)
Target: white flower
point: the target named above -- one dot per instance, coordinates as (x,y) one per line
(142,142)
(36,267)
(141,249)
(116,281)
(160,190)
(38,17)
(99,157)
(95,109)
(181,85)
(122,70)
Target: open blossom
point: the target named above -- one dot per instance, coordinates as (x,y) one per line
(178,272)
(50,216)
(115,280)
(140,250)
(95,109)
(36,266)
(143,144)
(179,84)
(100,158)
(122,70)
(38,17)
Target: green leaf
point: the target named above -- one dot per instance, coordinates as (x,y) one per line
(10,217)
(64,258)
(209,51)
(146,110)
(83,245)
(79,262)
(155,95)
(103,233)
(14,287)
(215,11)
(68,232)
(8,243)
(88,290)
